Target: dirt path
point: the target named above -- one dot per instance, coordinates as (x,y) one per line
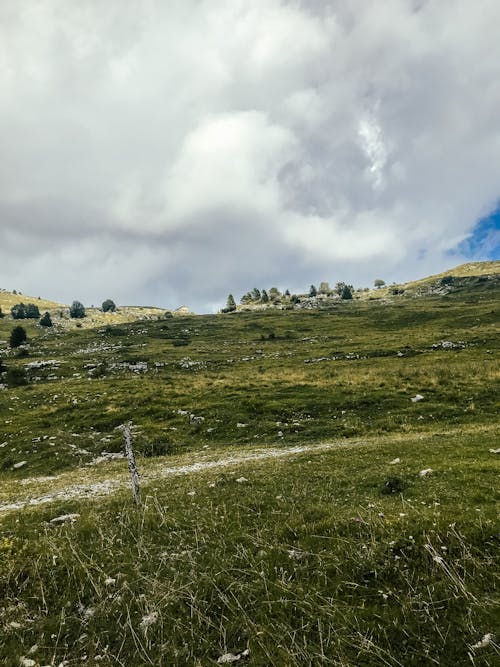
(109,486)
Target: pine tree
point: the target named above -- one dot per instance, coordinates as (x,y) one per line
(231,304)
(264,297)
(346,292)
(108,306)
(46,320)
(18,311)
(77,310)
(17,336)
(313,291)
(32,311)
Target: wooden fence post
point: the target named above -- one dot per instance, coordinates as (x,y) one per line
(134,473)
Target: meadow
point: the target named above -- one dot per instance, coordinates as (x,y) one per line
(378,545)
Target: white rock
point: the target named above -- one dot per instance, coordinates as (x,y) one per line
(65,517)
(394,461)
(425,472)
(417,398)
(19,465)
(495,451)
(228,658)
(149,619)
(242,480)
(26,662)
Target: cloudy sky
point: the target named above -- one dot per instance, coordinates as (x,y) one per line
(171,152)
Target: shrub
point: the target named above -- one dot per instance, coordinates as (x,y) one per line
(15,377)
(180,342)
(108,306)
(17,336)
(346,292)
(1,314)
(46,320)
(230,305)
(21,311)
(18,311)
(313,291)
(77,310)
(32,311)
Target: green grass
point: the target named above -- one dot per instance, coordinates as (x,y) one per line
(308,562)
(345,372)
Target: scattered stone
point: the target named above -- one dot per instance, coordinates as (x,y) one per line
(417,398)
(482,643)
(26,662)
(229,658)
(495,451)
(242,480)
(394,461)
(148,620)
(193,419)
(64,518)
(240,425)
(425,472)
(19,465)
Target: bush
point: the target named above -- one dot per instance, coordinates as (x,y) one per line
(18,311)
(180,342)
(108,306)
(17,336)
(379,283)
(346,292)
(77,310)
(46,320)
(15,377)
(1,314)
(21,311)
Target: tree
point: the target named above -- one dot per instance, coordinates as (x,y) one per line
(17,336)
(18,311)
(32,311)
(77,310)
(379,283)
(1,314)
(46,320)
(264,297)
(287,292)
(312,291)
(274,294)
(256,294)
(246,298)
(108,306)
(231,304)
(346,292)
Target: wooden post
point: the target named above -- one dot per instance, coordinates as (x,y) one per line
(134,473)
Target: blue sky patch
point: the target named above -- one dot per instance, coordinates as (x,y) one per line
(484,243)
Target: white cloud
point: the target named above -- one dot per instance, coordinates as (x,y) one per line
(175,153)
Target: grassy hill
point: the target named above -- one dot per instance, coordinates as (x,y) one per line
(376,544)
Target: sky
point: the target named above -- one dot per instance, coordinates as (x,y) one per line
(168,153)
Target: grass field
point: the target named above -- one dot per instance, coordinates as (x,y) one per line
(330,556)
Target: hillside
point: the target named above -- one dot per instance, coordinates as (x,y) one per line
(319,487)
